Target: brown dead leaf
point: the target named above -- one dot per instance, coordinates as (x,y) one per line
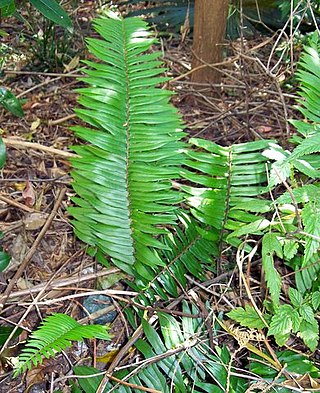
(35,221)
(28,194)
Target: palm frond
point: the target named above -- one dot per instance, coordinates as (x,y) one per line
(123,178)
(55,335)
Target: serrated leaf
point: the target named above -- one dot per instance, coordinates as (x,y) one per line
(281,324)
(307,313)
(10,102)
(271,244)
(315,300)
(309,145)
(55,334)
(53,11)
(247,317)
(295,297)
(311,220)
(290,248)
(309,332)
(279,173)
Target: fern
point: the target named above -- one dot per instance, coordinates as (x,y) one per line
(55,335)
(123,178)
(184,359)
(226,193)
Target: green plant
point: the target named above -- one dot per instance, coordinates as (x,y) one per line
(163,210)
(120,211)
(294,236)
(185,359)
(48,8)
(55,335)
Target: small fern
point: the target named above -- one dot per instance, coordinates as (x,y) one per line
(55,335)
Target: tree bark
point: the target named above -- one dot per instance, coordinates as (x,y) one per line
(210,18)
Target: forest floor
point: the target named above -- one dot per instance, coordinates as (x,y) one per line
(50,269)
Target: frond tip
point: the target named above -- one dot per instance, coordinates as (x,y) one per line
(55,335)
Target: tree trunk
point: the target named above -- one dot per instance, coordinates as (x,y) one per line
(210,18)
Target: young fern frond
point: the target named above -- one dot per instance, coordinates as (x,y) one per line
(123,178)
(55,335)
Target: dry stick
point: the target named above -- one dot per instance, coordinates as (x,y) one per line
(229,61)
(47,82)
(17,204)
(37,146)
(61,120)
(57,284)
(60,75)
(32,250)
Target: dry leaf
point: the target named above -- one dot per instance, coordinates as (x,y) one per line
(72,65)
(35,221)
(29,194)
(35,124)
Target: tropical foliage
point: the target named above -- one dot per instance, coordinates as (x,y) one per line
(165,210)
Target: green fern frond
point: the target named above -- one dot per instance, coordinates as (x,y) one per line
(191,250)
(55,335)
(226,192)
(177,358)
(123,178)
(309,76)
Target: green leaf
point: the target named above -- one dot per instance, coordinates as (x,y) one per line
(5,332)
(4,260)
(247,317)
(90,384)
(311,221)
(252,228)
(315,300)
(7,8)
(290,248)
(10,102)
(2,153)
(53,11)
(307,313)
(295,297)
(309,332)
(271,245)
(281,324)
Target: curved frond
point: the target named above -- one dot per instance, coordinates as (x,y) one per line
(123,178)
(55,335)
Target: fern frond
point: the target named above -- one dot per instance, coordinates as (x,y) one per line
(231,179)
(123,178)
(55,335)
(309,76)
(191,250)
(177,358)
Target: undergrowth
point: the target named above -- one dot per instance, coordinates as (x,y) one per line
(255,200)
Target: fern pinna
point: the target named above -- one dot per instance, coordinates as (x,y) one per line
(123,177)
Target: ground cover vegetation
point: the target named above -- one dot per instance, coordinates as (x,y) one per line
(202,256)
